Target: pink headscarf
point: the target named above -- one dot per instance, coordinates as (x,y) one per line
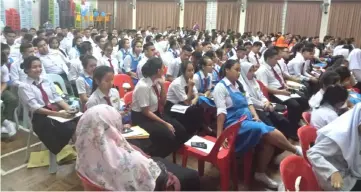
(106,158)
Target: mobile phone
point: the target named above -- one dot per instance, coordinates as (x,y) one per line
(127,130)
(199,145)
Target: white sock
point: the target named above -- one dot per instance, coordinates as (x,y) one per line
(262,177)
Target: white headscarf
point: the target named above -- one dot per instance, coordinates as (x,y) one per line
(343,52)
(248,85)
(106,158)
(355,59)
(345,133)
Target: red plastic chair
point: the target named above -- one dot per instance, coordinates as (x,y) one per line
(306,117)
(307,135)
(119,80)
(294,166)
(165,70)
(263,89)
(88,185)
(128,98)
(223,159)
(166,85)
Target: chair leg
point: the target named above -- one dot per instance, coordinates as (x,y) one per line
(184,159)
(174,157)
(25,119)
(16,117)
(27,153)
(200,167)
(53,165)
(247,168)
(234,173)
(224,173)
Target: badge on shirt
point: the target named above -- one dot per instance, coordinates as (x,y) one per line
(115,100)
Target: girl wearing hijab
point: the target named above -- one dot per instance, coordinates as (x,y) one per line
(355,65)
(336,155)
(107,160)
(264,108)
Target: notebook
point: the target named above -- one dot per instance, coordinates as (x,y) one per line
(137,133)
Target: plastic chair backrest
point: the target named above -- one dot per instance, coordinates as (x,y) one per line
(89,186)
(119,80)
(128,97)
(166,85)
(263,89)
(165,70)
(293,167)
(229,133)
(307,135)
(306,117)
(55,78)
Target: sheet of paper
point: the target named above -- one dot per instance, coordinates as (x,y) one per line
(196,138)
(294,84)
(137,133)
(179,108)
(283,97)
(295,95)
(63,120)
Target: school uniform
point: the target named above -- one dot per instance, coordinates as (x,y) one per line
(9,98)
(17,75)
(74,53)
(192,119)
(121,54)
(296,66)
(66,45)
(97,98)
(14,52)
(131,62)
(164,142)
(283,66)
(171,55)
(111,62)
(88,39)
(42,94)
(76,68)
(97,53)
(115,52)
(140,66)
(254,59)
(215,74)
(316,99)
(272,77)
(54,63)
(84,84)
(233,103)
(322,116)
(174,68)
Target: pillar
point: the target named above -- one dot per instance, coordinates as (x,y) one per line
(181,13)
(324,21)
(211,15)
(284,15)
(134,8)
(242,16)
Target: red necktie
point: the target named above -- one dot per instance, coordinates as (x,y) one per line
(107,99)
(44,96)
(158,97)
(110,63)
(278,78)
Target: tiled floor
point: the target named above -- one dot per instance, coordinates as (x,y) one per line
(16,177)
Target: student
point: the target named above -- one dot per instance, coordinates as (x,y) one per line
(228,49)
(173,51)
(195,58)
(184,92)
(114,41)
(23,31)
(102,91)
(14,47)
(296,65)
(98,47)
(333,100)
(215,45)
(203,79)
(197,46)
(335,157)
(76,68)
(149,52)
(41,98)
(355,65)
(149,97)
(17,75)
(174,67)
(327,79)
(123,50)
(74,51)
(254,56)
(232,104)
(87,37)
(264,108)
(135,169)
(346,80)
(207,46)
(84,83)
(40,34)
(54,48)
(216,66)
(28,38)
(241,54)
(284,54)
(248,46)
(273,80)
(10,100)
(108,59)
(131,60)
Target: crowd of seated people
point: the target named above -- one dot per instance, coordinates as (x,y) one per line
(219,77)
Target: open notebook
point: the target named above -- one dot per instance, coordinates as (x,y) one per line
(137,133)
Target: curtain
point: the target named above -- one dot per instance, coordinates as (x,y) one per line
(228,15)
(345,20)
(124,17)
(304,18)
(195,12)
(107,6)
(264,16)
(159,14)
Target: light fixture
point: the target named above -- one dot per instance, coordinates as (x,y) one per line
(243,5)
(324,6)
(132,5)
(180,4)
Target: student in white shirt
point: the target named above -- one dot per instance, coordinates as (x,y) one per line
(228,48)
(74,51)
(17,74)
(98,47)
(23,31)
(108,59)
(114,41)
(14,47)
(207,46)
(202,78)
(253,56)
(182,91)
(40,96)
(241,54)
(333,100)
(76,68)
(84,83)
(149,52)
(87,36)
(132,59)
(123,51)
(54,47)
(248,46)
(197,46)
(335,157)
(296,65)
(173,51)
(65,43)
(215,45)
(233,103)
(174,67)
(327,79)
(283,53)
(216,66)
(149,97)
(102,91)
(355,65)
(272,78)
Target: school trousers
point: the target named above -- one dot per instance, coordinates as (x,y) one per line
(10,102)
(164,142)
(189,178)
(278,121)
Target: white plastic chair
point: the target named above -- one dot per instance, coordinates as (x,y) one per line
(55,78)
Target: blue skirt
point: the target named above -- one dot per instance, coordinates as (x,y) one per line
(206,100)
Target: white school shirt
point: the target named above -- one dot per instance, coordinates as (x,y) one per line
(15,51)
(127,65)
(4,74)
(322,116)
(105,61)
(252,58)
(283,66)
(66,44)
(296,65)
(76,68)
(174,67)
(18,75)
(115,52)
(266,75)
(97,53)
(316,99)
(306,67)
(176,91)
(97,98)
(221,96)
(144,95)
(120,57)
(54,63)
(140,66)
(82,86)
(73,53)
(18,40)
(215,47)
(198,81)
(88,39)
(31,95)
